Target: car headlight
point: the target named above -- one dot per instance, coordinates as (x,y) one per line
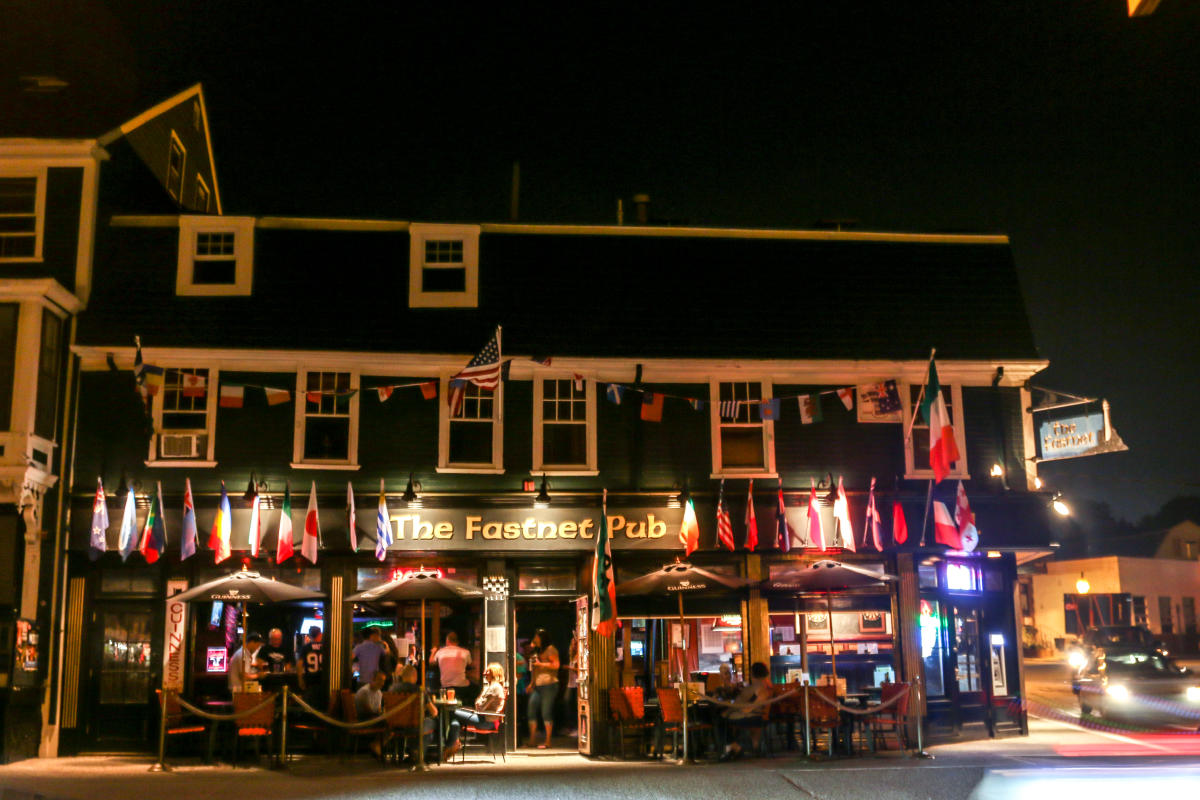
(1076,659)
(1118,692)
(1193,694)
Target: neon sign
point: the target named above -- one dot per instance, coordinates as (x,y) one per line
(404,573)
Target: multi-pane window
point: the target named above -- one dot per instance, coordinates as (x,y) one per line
(1139,611)
(471,440)
(742,435)
(175,163)
(564,424)
(202,195)
(443,270)
(1188,613)
(917,447)
(327,413)
(1166,620)
(183,427)
(215,259)
(19,217)
(216,253)
(49,369)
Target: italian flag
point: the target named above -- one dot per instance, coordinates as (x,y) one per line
(943,451)
(284,546)
(312,528)
(604,588)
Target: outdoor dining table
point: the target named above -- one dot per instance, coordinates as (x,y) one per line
(216,706)
(446,709)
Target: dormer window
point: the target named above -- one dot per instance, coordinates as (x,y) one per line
(443,266)
(202,195)
(176,159)
(216,256)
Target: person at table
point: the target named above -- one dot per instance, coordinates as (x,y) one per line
(407,684)
(747,714)
(543,686)
(310,667)
(275,654)
(453,662)
(368,655)
(368,704)
(245,665)
(491,698)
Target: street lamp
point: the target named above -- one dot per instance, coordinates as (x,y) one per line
(1060,506)
(1081,585)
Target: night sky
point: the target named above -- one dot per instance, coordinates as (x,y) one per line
(1066,125)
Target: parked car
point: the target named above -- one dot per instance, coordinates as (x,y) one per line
(1079,651)
(1138,684)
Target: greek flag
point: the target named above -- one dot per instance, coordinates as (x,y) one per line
(383,527)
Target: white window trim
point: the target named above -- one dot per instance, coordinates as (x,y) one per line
(39,173)
(182,168)
(418,233)
(539,466)
(496,467)
(213,381)
(714,420)
(242,229)
(959,470)
(298,459)
(200,184)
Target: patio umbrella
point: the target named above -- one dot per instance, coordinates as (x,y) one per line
(420,585)
(678,579)
(245,587)
(824,576)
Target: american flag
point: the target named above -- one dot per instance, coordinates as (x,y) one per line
(724,526)
(484,369)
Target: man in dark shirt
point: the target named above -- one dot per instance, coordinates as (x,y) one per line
(310,665)
(276,656)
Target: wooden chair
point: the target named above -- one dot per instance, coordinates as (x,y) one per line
(789,711)
(256,726)
(301,722)
(894,719)
(404,724)
(493,734)
(621,716)
(823,715)
(179,722)
(350,714)
(671,710)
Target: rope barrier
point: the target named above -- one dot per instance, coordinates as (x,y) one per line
(349,725)
(757,704)
(224,717)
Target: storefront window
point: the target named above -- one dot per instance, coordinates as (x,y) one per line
(932,648)
(546,579)
(863,638)
(126,582)
(927,576)
(125,668)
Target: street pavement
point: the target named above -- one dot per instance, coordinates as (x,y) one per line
(1057,753)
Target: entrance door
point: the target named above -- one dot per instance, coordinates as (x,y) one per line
(121,681)
(558,618)
(968,663)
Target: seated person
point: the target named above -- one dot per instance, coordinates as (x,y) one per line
(746,715)
(490,699)
(368,703)
(406,683)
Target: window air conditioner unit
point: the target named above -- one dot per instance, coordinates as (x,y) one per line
(179,445)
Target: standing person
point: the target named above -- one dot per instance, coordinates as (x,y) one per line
(244,665)
(571,711)
(274,654)
(310,667)
(368,656)
(453,662)
(543,689)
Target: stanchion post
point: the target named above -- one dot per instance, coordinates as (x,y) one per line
(283,729)
(919,685)
(161,764)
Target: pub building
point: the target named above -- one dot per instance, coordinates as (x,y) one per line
(303,355)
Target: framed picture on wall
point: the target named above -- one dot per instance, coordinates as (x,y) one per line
(818,621)
(871,622)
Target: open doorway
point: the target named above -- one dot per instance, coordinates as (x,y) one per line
(556,617)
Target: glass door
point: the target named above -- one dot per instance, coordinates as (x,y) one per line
(966,651)
(122,674)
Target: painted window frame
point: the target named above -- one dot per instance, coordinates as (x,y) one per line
(211,396)
(201,186)
(766,392)
(421,232)
(496,467)
(957,417)
(540,467)
(190,227)
(39,212)
(301,420)
(177,193)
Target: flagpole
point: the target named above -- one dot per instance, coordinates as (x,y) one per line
(920,396)
(925,520)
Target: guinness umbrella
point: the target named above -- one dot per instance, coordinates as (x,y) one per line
(420,585)
(245,587)
(678,579)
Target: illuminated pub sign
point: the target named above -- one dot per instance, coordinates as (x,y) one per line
(534,529)
(1068,437)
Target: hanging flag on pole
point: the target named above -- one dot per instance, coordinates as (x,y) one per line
(312,528)
(872,523)
(724,524)
(841,513)
(689,531)
(218,539)
(98,541)
(783,531)
(484,369)
(351,517)
(816,537)
(284,545)
(944,530)
(751,520)
(188,535)
(254,534)
(154,532)
(604,588)
(943,450)
(899,525)
(383,526)
(964,518)
(127,542)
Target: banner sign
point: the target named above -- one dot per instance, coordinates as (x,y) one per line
(1069,437)
(174,649)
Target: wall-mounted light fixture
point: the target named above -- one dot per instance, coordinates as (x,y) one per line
(410,497)
(543,496)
